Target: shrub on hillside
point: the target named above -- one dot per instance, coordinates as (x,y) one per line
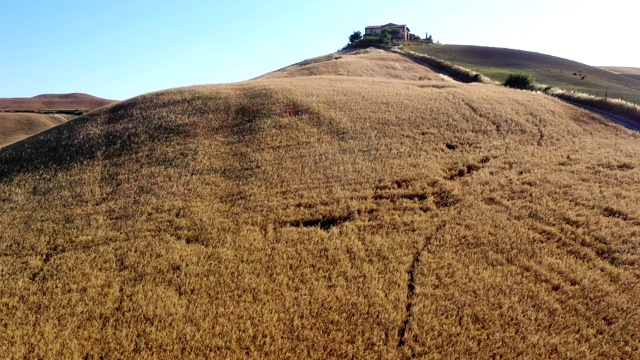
(520,81)
(368,41)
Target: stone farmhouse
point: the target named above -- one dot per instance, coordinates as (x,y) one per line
(404,30)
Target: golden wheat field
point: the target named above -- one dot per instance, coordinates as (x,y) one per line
(356,205)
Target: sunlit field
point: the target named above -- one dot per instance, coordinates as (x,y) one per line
(355,205)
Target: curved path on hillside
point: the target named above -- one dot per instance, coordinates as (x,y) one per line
(620,120)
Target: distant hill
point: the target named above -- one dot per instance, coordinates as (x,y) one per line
(497,63)
(355,205)
(24,117)
(630,72)
(54,102)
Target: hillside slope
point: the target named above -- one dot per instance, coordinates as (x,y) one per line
(17,126)
(497,63)
(359,63)
(630,72)
(24,117)
(323,217)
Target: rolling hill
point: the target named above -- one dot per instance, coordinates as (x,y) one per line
(24,117)
(630,72)
(352,205)
(55,102)
(17,126)
(497,63)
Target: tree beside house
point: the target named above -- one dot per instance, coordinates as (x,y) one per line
(383,35)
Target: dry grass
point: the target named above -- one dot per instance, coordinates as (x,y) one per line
(323,217)
(17,126)
(370,62)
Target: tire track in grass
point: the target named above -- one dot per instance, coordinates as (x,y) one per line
(444,199)
(411,289)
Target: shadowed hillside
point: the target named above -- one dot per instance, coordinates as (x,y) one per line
(350,212)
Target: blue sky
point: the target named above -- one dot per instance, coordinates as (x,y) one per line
(120,49)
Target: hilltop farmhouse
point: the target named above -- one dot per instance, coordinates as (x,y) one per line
(403,29)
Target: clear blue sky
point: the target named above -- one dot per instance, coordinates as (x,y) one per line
(120,49)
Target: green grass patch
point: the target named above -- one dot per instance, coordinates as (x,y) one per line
(498,63)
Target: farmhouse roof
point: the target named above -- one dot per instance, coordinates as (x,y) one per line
(384,26)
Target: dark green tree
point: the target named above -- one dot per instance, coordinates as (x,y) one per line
(355,37)
(385,37)
(396,34)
